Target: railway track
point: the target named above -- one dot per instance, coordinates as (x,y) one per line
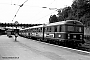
(80,50)
(85,48)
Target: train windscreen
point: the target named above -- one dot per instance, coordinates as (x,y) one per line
(74,28)
(78,29)
(70,28)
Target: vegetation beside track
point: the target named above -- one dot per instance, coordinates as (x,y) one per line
(86,45)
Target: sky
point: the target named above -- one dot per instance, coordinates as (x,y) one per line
(31,12)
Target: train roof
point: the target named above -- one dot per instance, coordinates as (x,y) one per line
(25,28)
(32,27)
(36,26)
(65,22)
(56,23)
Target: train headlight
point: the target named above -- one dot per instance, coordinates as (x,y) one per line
(68,36)
(74,36)
(80,36)
(59,35)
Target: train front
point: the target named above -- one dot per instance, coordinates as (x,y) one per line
(75,32)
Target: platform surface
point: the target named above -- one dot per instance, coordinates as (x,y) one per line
(27,49)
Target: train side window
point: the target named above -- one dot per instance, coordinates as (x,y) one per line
(62,28)
(41,29)
(38,29)
(45,29)
(32,30)
(35,30)
(52,28)
(59,28)
(48,29)
(55,28)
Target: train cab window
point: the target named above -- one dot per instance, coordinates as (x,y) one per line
(78,29)
(70,28)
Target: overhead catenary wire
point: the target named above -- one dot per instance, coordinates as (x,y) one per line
(46,15)
(32,6)
(51,3)
(19,9)
(45,8)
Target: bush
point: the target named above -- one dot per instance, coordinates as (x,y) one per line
(87,37)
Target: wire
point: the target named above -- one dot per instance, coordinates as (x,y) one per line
(11,2)
(51,2)
(45,16)
(16,13)
(46,7)
(19,9)
(35,6)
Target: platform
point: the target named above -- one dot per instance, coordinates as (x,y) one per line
(27,49)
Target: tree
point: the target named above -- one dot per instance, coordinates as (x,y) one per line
(65,13)
(53,19)
(81,7)
(85,19)
(79,10)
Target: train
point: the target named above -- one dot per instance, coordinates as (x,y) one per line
(69,32)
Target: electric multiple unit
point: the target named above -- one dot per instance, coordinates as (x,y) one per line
(66,32)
